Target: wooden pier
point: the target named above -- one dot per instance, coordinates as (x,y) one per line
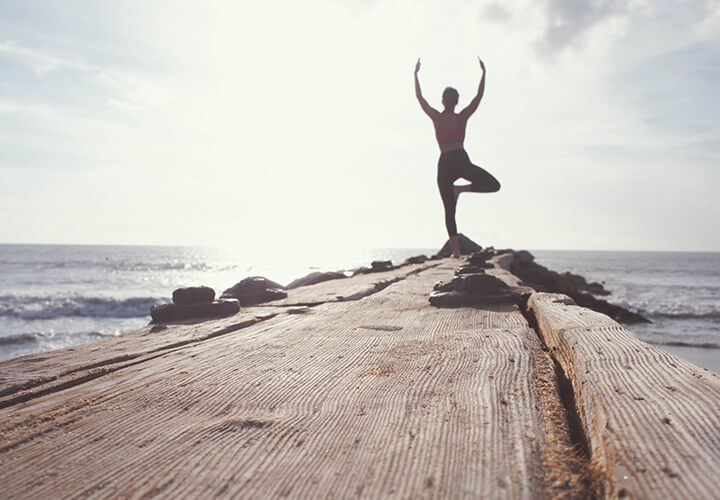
(359,388)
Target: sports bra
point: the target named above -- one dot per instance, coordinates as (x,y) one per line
(449,136)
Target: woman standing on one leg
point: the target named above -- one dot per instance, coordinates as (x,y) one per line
(454,161)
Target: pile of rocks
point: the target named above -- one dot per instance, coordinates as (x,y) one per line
(471,286)
(576,287)
(192,303)
(480,258)
(543,279)
(199,301)
(538,278)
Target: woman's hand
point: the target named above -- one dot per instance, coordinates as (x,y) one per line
(417,66)
(467,112)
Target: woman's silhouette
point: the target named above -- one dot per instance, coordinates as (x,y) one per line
(454,161)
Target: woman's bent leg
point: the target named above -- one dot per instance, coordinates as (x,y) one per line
(481,180)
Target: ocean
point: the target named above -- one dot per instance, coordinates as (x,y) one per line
(679,292)
(54,296)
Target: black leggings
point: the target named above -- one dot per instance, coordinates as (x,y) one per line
(453,165)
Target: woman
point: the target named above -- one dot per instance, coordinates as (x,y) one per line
(454,162)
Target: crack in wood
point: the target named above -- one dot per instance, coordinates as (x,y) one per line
(566,394)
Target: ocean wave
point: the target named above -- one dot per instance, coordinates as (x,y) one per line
(159,266)
(21,338)
(687,315)
(44,307)
(60,338)
(687,343)
(673,310)
(113,265)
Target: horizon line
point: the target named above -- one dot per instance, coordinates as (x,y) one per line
(216,246)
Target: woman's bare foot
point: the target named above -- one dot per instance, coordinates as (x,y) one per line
(455,245)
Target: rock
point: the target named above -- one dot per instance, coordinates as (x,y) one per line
(545,280)
(466,246)
(247,286)
(523,257)
(480,258)
(450,299)
(576,281)
(164,313)
(377,266)
(615,312)
(315,277)
(254,290)
(596,289)
(416,259)
(456,284)
(473,289)
(471,269)
(193,295)
(272,294)
(460,299)
(576,287)
(483,284)
(478,283)
(361,270)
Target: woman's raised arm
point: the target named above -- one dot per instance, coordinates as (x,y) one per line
(429,110)
(470,109)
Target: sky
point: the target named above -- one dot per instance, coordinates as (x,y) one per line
(294,124)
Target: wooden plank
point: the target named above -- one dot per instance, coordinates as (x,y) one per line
(381,396)
(652,419)
(349,289)
(27,376)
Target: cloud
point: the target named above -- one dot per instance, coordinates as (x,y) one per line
(284,124)
(119,89)
(41,62)
(569,21)
(496,13)
(710,25)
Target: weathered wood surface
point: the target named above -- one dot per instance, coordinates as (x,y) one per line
(348,289)
(31,376)
(380,396)
(26,377)
(652,419)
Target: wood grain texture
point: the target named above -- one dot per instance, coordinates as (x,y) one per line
(25,377)
(28,376)
(652,419)
(343,290)
(381,396)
